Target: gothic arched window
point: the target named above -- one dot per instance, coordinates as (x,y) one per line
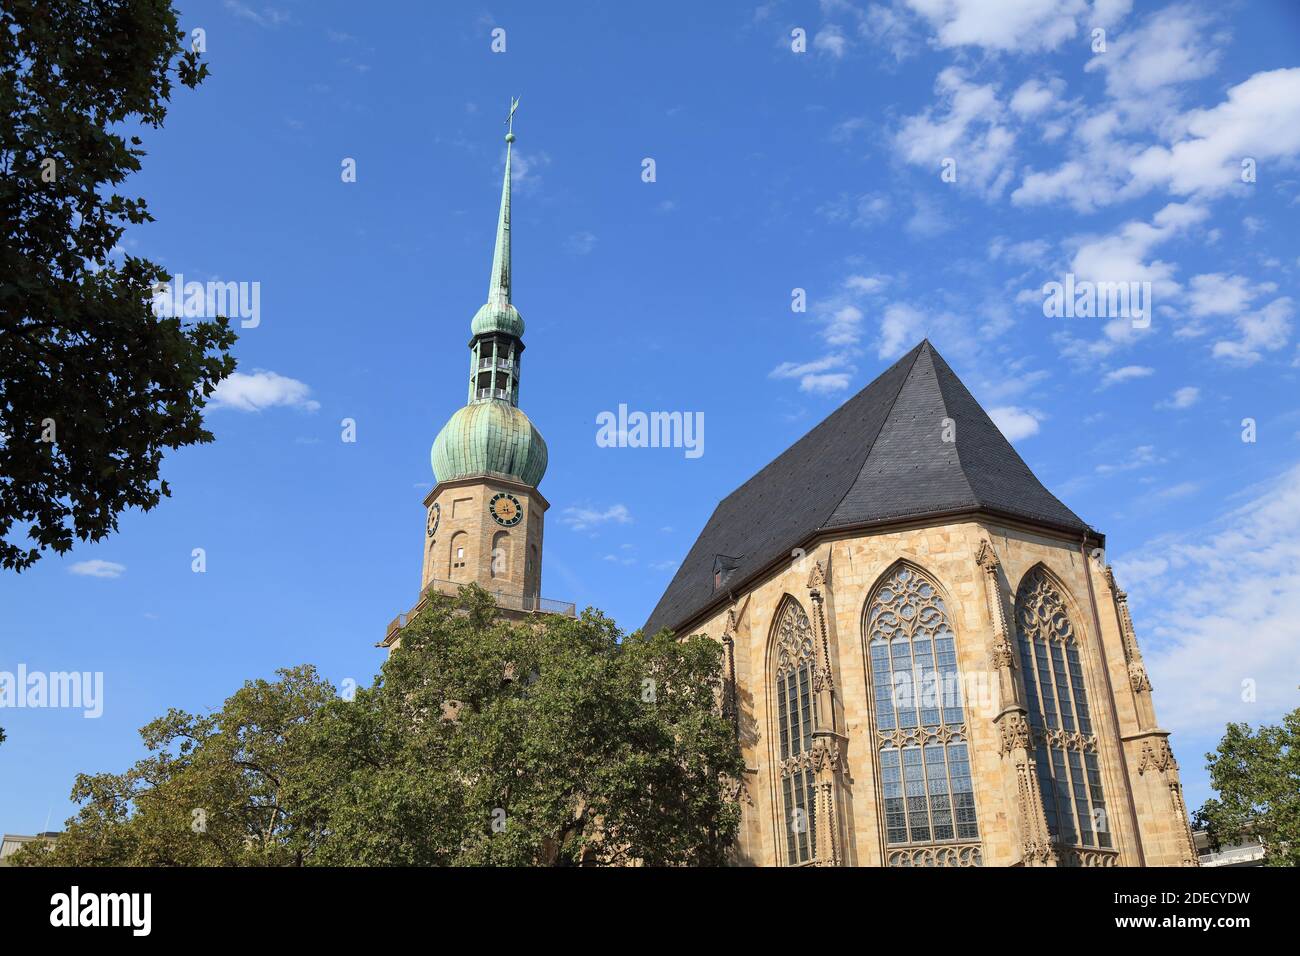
(796,710)
(921,740)
(1065,745)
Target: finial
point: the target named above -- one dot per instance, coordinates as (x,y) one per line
(510,120)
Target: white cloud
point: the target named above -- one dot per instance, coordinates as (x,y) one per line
(1013,26)
(581,519)
(1184,397)
(1264,330)
(1027,252)
(815,376)
(1125,374)
(840,315)
(1217,294)
(841,319)
(267,17)
(97,569)
(831,39)
(1131,572)
(1120,257)
(890,28)
(1224,609)
(866,284)
(1093,178)
(1111,156)
(1033,97)
(1170,47)
(1259,120)
(862,212)
(966,128)
(525,169)
(1014,422)
(1141,457)
(262,389)
(1181,490)
(900,327)
(796,369)
(844,326)
(1123,257)
(826,384)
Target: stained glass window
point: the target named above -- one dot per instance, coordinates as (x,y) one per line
(1065,746)
(796,714)
(921,735)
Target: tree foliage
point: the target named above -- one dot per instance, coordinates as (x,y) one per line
(216,790)
(1257,777)
(484,742)
(94,387)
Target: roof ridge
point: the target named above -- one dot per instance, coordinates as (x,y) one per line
(917,350)
(943,397)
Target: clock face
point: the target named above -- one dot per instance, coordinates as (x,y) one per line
(434,514)
(506,509)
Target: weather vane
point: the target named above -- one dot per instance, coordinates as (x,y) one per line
(510,120)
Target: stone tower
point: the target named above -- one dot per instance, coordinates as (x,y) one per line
(484,516)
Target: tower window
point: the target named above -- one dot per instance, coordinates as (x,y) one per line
(459,543)
(500,554)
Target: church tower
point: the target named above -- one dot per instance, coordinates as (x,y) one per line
(484,516)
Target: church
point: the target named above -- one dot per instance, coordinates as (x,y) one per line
(927,660)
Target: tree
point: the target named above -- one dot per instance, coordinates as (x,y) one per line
(558,742)
(215,792)
(1257,777)
(94,386)
(555,741)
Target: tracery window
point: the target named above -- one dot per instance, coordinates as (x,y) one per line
(1065,745)
(796,710)
(921,739)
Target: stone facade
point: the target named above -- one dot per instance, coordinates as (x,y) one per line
(468,545)
(977,566)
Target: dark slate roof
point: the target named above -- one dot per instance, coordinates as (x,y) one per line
(879,457)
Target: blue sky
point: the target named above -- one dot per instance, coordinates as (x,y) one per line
(775,170)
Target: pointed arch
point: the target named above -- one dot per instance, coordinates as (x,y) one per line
(1072,606)
(920,743)
(791,664)
(1060,718)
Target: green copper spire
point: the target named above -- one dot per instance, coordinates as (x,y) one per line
(497,314)
(499,287)
(491,435)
